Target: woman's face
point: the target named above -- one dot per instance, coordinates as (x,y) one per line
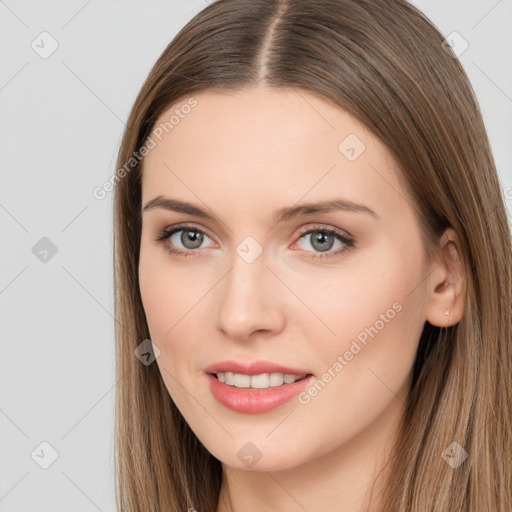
(297,256)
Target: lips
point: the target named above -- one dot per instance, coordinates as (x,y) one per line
(249,400)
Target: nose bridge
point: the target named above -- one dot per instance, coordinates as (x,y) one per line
(246,302)
(248,275)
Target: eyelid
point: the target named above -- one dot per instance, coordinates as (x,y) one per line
(324,227)
(170,230)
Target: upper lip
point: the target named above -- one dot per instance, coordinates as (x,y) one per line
(253,368)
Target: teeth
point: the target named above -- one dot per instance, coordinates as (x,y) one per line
(261,381)
(276,379)
(288,379)
(241,381)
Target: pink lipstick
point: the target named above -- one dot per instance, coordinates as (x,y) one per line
(255,387)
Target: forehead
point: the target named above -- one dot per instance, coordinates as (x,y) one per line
(266,146)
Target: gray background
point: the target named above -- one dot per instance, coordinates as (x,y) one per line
(61,121)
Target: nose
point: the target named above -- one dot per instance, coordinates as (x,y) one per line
(248,301)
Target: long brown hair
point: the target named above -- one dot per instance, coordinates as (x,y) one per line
(384,63)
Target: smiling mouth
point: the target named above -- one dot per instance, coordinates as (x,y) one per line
(260,381)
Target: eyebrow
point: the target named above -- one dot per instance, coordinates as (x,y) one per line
(282,215)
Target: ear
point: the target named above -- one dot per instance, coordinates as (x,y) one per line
(446,287)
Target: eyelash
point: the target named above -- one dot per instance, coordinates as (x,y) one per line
(347,241)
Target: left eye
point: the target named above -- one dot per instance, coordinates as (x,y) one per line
(323,240)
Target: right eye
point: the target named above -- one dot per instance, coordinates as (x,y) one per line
(182,240)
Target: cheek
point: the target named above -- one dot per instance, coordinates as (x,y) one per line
(153,292)
(161,296)
(363,369)
(370,312)
(167,294)
(177,311)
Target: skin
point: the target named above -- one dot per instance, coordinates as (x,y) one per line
(244,155)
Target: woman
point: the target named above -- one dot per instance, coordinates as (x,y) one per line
(310,230)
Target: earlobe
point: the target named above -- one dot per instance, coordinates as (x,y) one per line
(446,284)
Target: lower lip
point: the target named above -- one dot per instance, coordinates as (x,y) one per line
(255,401)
